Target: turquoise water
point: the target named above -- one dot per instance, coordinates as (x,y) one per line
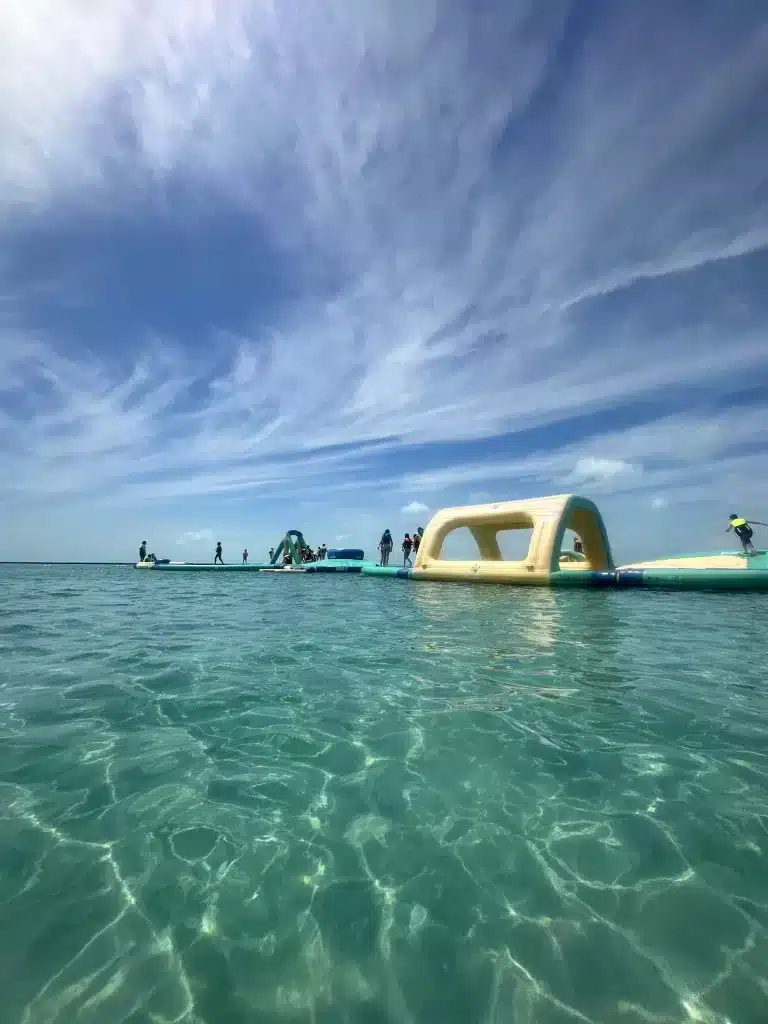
(232,799)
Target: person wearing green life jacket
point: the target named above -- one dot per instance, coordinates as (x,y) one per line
(743,530)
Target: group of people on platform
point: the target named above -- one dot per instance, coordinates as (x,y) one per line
(409,546)
(306,553)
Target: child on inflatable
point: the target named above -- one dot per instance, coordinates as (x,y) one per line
(743,530)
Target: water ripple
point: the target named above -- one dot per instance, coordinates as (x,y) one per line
(269,798)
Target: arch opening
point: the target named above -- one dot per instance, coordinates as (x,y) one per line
(509,540)
(586,525)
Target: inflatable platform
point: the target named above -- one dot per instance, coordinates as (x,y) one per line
(166,565)
(346,560)
(545,563)
(720,570)
(341,560)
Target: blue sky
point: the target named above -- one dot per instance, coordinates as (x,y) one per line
(308,265)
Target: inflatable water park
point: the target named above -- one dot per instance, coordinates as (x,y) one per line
(290,555)
(545,563)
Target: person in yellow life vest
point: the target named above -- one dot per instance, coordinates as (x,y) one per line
(743,530)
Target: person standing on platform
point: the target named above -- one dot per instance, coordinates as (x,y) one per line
(743,530)
(385,547)
(407,547)
(417,542)
(218,557)
(245,557)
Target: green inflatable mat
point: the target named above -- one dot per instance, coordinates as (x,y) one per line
(396,571)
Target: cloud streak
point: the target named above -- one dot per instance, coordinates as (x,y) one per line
(495,221)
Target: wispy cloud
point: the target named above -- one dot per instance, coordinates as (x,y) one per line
(489,227)
(590,470)
(414,508)
(195,536)
(709,448)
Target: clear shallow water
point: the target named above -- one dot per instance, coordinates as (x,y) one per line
(250,799)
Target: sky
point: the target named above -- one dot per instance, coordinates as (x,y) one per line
(332,265)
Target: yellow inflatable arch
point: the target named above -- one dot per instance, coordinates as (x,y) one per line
(546,518)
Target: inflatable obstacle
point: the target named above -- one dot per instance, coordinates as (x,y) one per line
(545,564)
